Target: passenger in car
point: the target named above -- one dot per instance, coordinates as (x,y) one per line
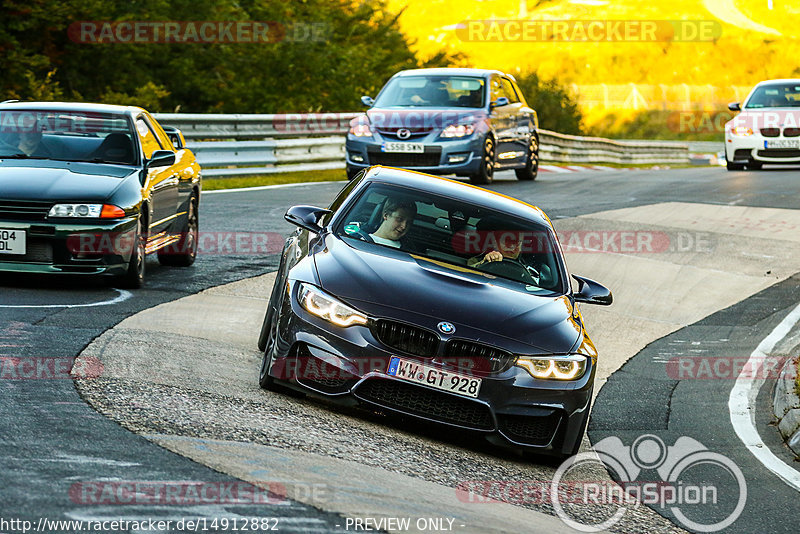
(397,217)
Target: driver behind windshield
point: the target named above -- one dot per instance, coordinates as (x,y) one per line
(27,142)
(503,243)
(396,220)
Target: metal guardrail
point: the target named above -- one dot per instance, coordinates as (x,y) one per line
(257,126)
(268,144)
(559,147)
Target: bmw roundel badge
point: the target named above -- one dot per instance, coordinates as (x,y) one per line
(446,328)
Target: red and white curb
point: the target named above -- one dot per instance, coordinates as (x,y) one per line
(581,168)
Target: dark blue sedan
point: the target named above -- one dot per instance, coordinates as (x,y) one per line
(467,122)
(425,297)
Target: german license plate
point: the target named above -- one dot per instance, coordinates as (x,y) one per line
(418,373)
(12,241)
(782,143)
(412,148)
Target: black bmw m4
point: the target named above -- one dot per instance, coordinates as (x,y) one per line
(434,299)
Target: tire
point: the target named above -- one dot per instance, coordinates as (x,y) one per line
(184,251)
(352,172)
(754,166)
(734,166)
(268,334)
(531,169)
(134,276)
(485,172)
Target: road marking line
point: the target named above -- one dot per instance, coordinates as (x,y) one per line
(262,187)
(123,295)
(742,400)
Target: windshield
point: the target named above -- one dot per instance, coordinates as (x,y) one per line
(67,136)
(775,96)
(432,91)
(467,238)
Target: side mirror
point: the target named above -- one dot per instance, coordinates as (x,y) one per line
(500,102)
(306,217)
(590,292)
(735,106)
(161,158)
(368,101)
(176,136)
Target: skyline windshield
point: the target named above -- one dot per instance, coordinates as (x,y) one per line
(466,238)
(433,91)
(67,136)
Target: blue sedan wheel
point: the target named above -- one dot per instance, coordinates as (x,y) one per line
(485,172)
(531,168)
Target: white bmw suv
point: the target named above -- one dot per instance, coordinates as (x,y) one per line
(768,128)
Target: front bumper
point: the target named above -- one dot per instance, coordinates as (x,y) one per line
(435,160)
(349,365)
(741,150)
(71,248)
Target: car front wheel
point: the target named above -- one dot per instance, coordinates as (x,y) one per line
(267,341)
(485,172)
(734,166)
(134,277)
(754,165)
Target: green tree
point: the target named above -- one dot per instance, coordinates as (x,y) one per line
(556,107)
(329,53)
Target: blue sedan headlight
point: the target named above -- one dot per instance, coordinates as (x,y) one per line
(458,130)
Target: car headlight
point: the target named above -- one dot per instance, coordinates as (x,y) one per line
(319,303)
(89,211)
(555,368)
(741,131)
(360,129)
(458,130)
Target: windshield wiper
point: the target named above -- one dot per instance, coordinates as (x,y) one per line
(20,156)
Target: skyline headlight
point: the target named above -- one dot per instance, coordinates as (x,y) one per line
(319,303)
(570,367)
(458,130)
(76,210)
(741,131)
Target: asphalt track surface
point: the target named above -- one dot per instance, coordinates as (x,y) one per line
(51,440)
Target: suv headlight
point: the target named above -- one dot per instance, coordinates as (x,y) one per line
(570,367)
(319,303)
(458,130)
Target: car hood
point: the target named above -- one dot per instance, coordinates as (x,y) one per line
(411,288)
(59,180)
(422,118)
